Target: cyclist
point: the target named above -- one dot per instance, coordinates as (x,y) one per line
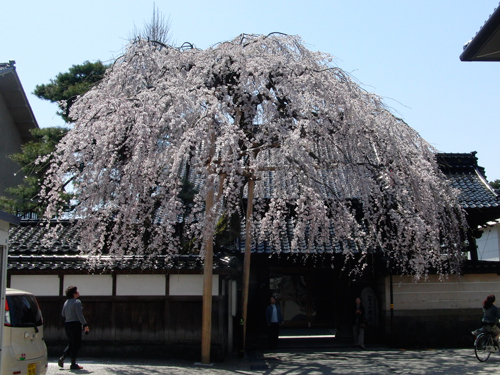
(491,315)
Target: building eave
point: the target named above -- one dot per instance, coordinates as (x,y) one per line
(16,100)
(485,46)
(11,219)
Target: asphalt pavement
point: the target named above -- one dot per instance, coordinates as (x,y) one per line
(379,360)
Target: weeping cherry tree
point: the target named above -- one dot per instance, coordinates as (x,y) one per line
(259,113)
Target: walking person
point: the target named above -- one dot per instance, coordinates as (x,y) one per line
(359,324)
(74,323)
(274,318)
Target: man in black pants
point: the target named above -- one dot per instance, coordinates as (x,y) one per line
(72,312)
(274,319)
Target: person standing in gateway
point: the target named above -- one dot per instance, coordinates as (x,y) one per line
(274,319)
(359,324)
(72,313)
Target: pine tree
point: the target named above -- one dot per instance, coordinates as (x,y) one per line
(65,88)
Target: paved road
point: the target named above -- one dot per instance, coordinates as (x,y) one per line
(303,362)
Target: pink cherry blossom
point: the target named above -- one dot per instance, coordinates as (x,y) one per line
(332,164)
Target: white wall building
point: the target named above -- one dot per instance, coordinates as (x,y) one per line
(488,245)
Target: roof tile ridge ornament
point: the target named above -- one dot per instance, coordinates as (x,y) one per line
(458,162)
(8,65)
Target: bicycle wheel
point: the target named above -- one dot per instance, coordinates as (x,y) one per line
(480,347)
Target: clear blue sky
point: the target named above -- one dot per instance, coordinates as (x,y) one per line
(405,51)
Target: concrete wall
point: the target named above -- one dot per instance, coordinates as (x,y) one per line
(457,292)
(436,313)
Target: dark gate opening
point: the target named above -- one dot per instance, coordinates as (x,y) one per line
(316,301)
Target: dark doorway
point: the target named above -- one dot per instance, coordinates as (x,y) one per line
(307,299)
(316,299)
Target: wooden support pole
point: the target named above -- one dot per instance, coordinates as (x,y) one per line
(248,252)
(206,325)
(391,293)
(206,321)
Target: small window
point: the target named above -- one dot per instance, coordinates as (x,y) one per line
(23,311)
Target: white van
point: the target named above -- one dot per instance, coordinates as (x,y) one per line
(23,348)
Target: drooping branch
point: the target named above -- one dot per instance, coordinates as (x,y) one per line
(310,137)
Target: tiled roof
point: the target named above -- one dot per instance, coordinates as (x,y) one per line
(460,168)
(27,252)
(464,173)
(475,192)
(26,239)
(286,236)
(131,263)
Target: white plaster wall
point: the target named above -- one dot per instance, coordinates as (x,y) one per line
(140,285)
(90,285)
(191,285)
(465,292)
(39,285)
(488,246)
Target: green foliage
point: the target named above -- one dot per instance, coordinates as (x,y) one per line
(66,87)
(495,184)
(188,192)
(227,230)
(23,198)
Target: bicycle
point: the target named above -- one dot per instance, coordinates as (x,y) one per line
(484,345)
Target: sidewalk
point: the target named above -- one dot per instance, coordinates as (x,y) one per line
(379,360)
